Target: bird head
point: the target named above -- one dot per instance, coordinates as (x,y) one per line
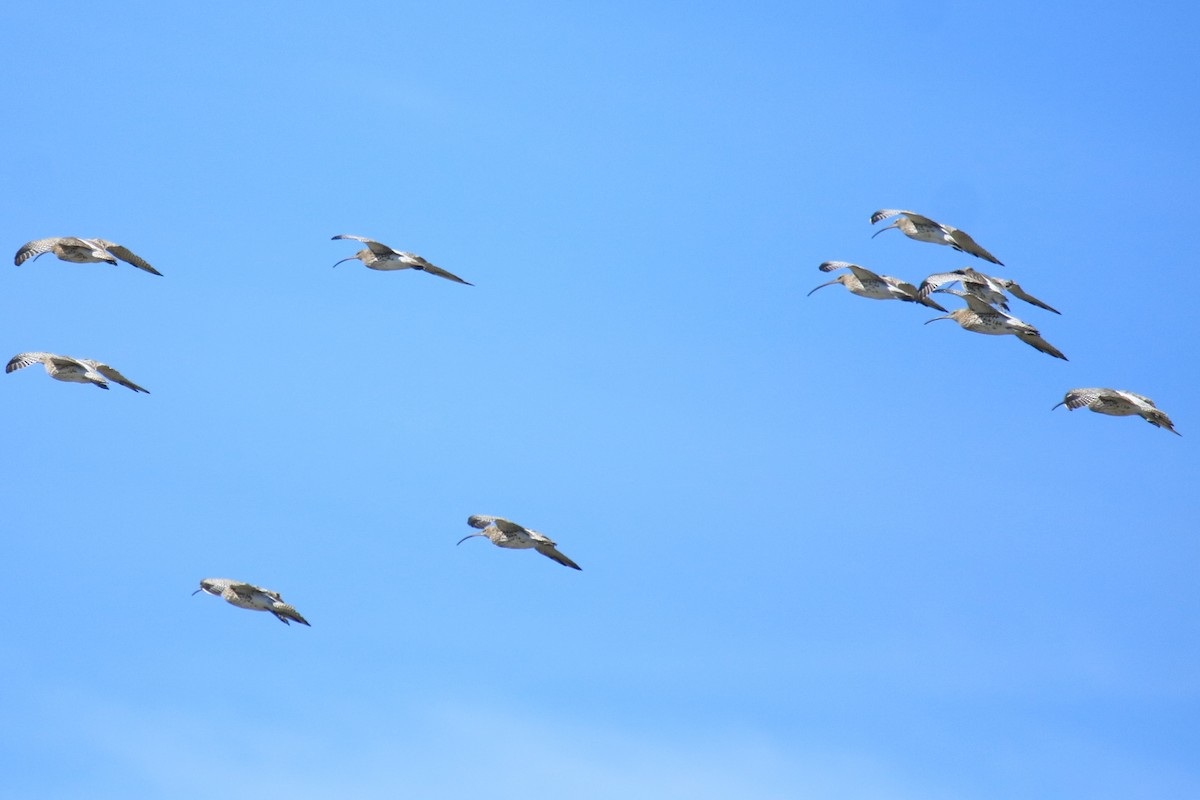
(208,586)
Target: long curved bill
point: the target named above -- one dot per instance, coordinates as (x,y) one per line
(935,319)
(823,285)
(470,536)
(884,228)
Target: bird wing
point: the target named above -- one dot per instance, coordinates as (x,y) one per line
(1037,342)
(1020,293)
(978,304)
(112,374)
(282,611)
(508,526)
(1156,417)
(909,292)
(830,266)
(22,360)
(35,248)
(1082,398)
(938,280)
(884,213)
(435,270)
(1136,398)
(243,590)
(864,274)
(378,248)
(126,255)
(961,241)
(984,292)
(550,551)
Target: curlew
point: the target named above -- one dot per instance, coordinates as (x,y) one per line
(987,288)
(923,229)
(979,317)
(81,251)
(503,533)
(255,598)
(73,370)
(864,283)
(380,256)
(1117,403)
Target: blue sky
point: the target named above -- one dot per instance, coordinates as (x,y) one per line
(827,551)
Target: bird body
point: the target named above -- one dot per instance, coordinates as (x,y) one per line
(380,256)
(865,283)
(504,533)
(73,370)
(255,598)
(1118,403)
(923,229)
(979,317)
(81,251)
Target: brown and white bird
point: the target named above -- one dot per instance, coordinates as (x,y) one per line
(81,251)
(380,256)
(1118,403)
(73,370)
(255,598)
(987,288)
(503,533)
(865,283)
(923,229)
(979,317)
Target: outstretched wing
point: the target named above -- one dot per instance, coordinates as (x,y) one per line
(508,526)
(551,552)
(959,240)
(22,360)
(35,248)
(1156,417)
(1037,342)
(910,293)
(830,266)
(1135,397)
(424,265)
(862,273)
(378,248)
(283,612)
(978,304)
(113,375)
(884,213)
(126,255)
(1020,293)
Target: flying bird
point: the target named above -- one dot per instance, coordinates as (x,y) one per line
(80,251)
(73,370)
(987,288)
(380,256)
(979,317)
(923,229)
(255,598)
(865,283)
(503,533)
(1117,403)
